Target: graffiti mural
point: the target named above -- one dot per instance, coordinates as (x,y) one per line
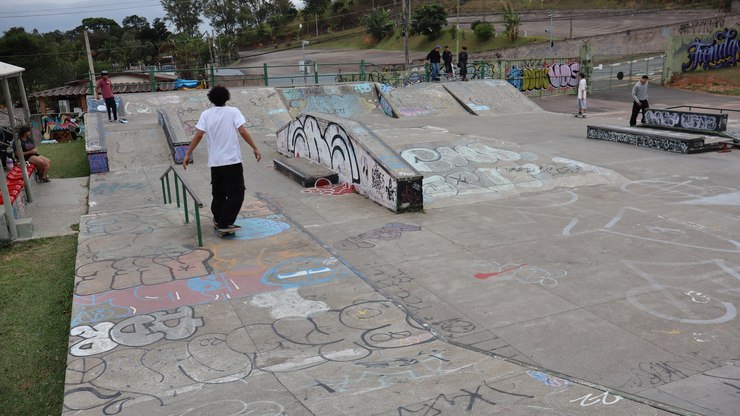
(534,76)
(375,176)
(686,120)
(722,51)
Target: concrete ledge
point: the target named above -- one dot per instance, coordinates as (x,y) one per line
(97,152)
(304,171)
(686,120)
(177,139)
(652,138)
(359,157)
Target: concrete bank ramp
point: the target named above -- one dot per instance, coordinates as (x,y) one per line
(425,99)
(491,97)
(354,100)
(262,107)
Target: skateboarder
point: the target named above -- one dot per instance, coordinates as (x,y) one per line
(222,125)
(105,87)
(639,100)
(434,58)
(581,95)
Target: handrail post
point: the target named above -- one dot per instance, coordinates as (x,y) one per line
(267,79)
(169,193)
(177,192)
(164,194)
(362,70)
(197,224)
(316,72)
(213,76)
(185,204)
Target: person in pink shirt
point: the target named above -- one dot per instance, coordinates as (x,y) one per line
(105,87)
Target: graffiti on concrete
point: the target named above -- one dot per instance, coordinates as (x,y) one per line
(387,232)
(643,140)
(540,76)
(686,120)
(721,52)
(701,26)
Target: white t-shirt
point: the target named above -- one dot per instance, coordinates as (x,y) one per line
(582,89)
(220,125)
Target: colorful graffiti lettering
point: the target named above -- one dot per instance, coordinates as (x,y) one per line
(543,76)
(721,52)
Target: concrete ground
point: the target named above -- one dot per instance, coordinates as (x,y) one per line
(609,287)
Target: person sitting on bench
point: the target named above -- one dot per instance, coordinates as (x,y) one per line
(31,153)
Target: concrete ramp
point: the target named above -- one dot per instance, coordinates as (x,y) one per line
(355,100)
(360,158)
(425,99)
(262,107)
(491,97)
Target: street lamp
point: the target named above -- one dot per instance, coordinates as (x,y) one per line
(457,31)
(305,65)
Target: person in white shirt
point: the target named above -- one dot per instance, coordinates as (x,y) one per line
(639,100)
(582,94)
(222,125)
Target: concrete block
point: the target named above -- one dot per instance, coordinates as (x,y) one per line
(24,227)
(305,172)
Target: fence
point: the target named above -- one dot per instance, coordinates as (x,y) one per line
(534,77)
(623,71)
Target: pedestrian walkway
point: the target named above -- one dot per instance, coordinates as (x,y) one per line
(573,278)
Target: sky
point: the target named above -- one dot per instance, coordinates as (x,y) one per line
(63,15)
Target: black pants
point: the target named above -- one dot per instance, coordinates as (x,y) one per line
(110,105)
(464,70)
(227,188)
(636,110)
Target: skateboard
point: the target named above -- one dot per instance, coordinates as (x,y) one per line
(224,234)
(123,120)
(579,115)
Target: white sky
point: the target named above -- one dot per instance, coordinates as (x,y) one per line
(51,15)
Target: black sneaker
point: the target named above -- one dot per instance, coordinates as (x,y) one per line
(229,228)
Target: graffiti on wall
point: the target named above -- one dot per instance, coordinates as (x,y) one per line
(701,26)
(531,76)
(686,120)
(722,51)
(329,144)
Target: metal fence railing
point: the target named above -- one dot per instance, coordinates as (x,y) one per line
(620,71)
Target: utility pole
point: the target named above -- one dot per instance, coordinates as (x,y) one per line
(90,63)
(405,26)
(457,30)
(550,29)
(317,24)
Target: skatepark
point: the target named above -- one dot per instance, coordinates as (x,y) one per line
(546,273)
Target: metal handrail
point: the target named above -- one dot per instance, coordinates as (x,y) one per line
(167,194)
(721,110)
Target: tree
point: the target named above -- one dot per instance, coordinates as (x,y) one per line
(223,14)
(135,23)
(185,14)
(378,23)
(511,21)
(103,25)
(429,21)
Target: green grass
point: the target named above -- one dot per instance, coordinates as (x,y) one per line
(68,160)
(35,305)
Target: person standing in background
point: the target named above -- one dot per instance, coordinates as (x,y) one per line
(639,100)
(582,95)
(105,87)
(447,59)
(462,63)
(434,58)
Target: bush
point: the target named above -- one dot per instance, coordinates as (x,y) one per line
(378,23)
(474,24)
(484,31)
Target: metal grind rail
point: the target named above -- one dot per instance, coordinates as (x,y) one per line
(186,188)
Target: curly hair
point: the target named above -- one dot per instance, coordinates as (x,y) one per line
(23,130)
(218,95)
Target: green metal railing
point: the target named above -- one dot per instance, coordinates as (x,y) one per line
(186,189)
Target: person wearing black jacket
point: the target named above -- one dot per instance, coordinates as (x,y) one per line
(434,59)
(447,59)
(462,62)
